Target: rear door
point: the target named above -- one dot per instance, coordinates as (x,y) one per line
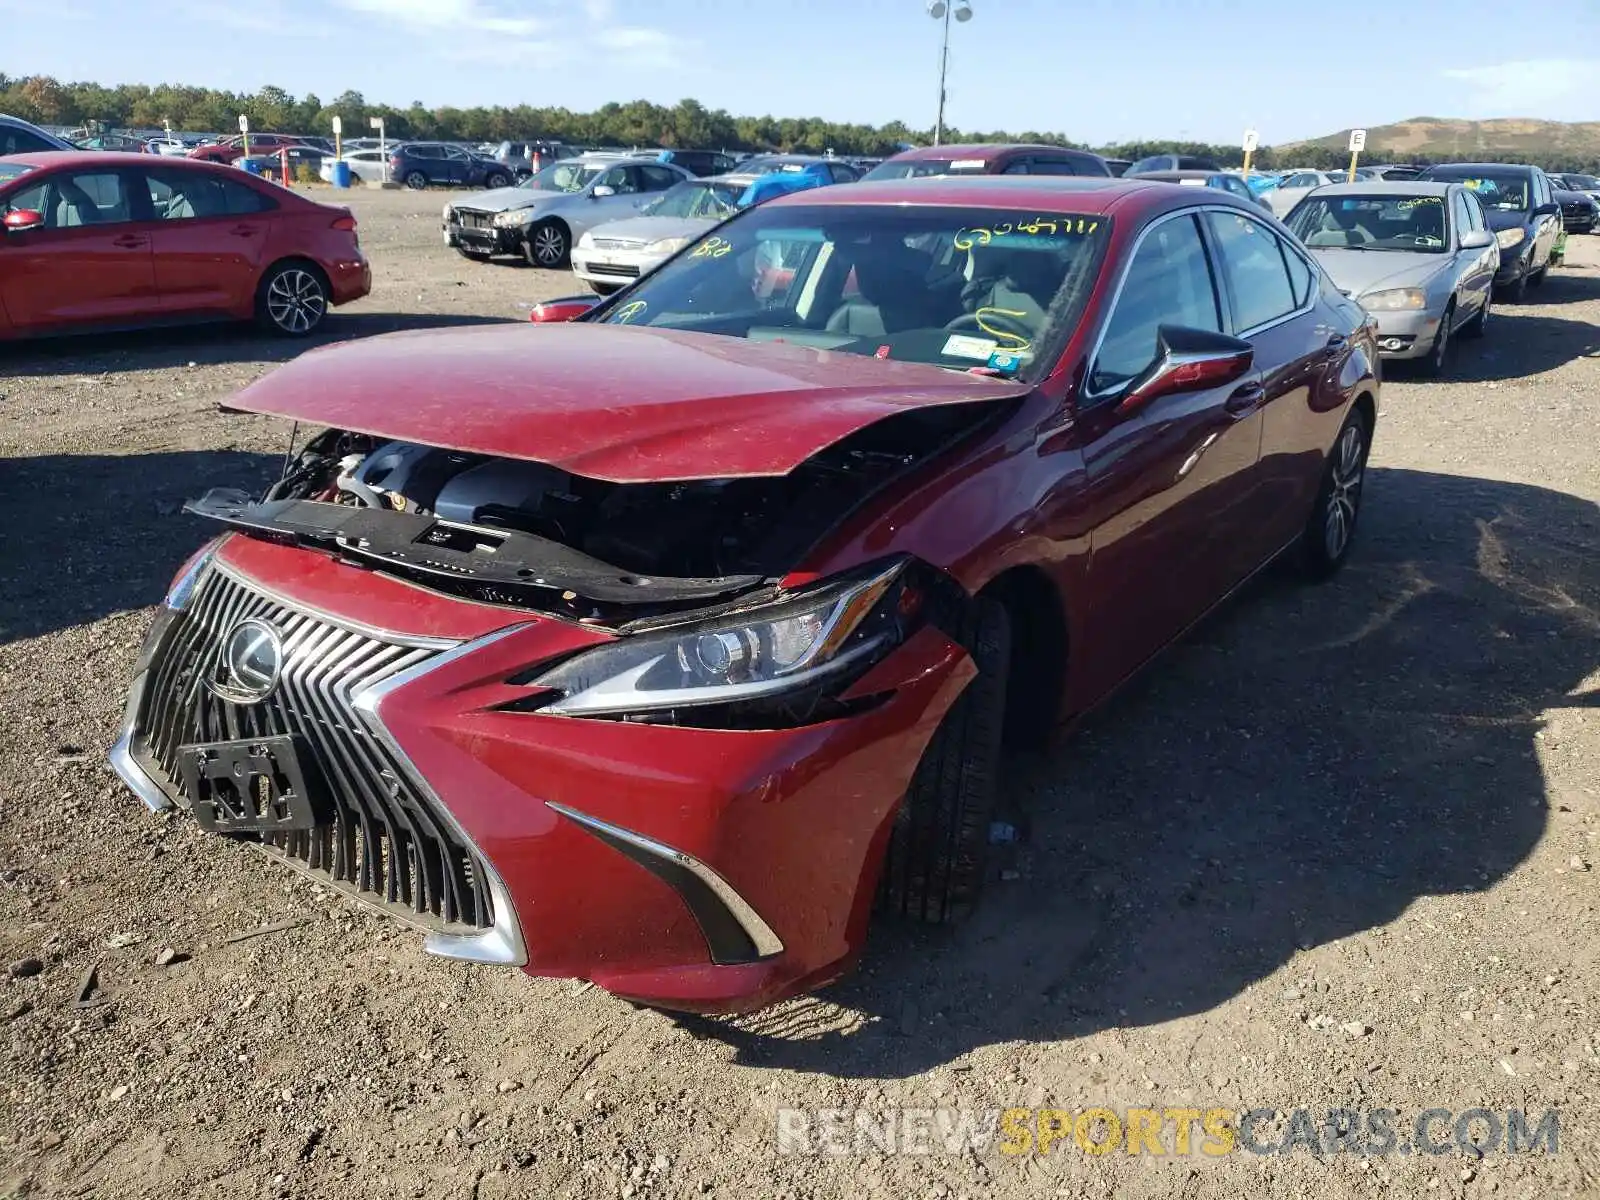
(209,239)
(89,263)
(1272,292)
(1167,482)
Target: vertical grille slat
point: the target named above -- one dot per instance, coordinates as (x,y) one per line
(385,839)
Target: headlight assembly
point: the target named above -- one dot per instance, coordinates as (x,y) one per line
(509,220)
(788,646)
(1396,300)
(586,242)
(667,245)
(1509,238)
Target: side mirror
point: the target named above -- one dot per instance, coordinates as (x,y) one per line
(22,220)
(1476,239)
(600,191)
(1547,210)
(567,308)
(1188,360)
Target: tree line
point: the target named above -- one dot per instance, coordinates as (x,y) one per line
(48,101)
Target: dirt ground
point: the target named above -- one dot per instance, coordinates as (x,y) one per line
(1335,851)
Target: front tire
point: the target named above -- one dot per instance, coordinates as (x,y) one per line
(547,246)
(416,181)
(1330,531)
(1438,359)
(935,865)
(292,299)
(1479,324)
(496,180)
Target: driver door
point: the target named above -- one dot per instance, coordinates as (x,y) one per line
(89,263)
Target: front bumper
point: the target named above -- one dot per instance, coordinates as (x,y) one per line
(469,233)
(699,869)
(1403,335)
(614,267)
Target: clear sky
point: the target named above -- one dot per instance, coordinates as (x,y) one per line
(1096,70)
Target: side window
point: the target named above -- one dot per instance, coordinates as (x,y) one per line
(1053,166)
(1475,208)
(68,201)
(241,200)
(1168,283)
(620,180)
(1300,274)
(1020,167)
(1254,265)
(423,151)
(1461,215)
(20,141)
(656,179)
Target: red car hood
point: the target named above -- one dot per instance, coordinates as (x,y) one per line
(630,405)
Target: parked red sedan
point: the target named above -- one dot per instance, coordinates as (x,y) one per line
(106,240)
(653,646)
(231,149)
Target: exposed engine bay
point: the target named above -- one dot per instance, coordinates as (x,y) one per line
(521,532)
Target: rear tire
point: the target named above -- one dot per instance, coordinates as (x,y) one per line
(497,179)
(292,299)
(935,865)
(416,181)
(1330,530)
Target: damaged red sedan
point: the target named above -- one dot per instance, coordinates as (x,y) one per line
(659,647)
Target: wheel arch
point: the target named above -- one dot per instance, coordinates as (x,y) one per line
(1040,653)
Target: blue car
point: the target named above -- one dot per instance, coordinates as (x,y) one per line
(778,174)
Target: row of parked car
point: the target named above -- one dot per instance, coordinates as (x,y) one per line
(1425,250)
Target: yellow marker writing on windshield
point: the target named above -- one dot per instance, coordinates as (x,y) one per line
(1004,339)
(629,311)
(712,247)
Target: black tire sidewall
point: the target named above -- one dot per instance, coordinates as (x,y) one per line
(1314,559)
(264,317)
(416,187)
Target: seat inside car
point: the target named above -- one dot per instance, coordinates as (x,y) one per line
(892,281)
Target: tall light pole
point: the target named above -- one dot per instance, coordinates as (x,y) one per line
(940,10)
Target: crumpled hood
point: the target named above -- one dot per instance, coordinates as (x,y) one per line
(626,404)
(505,199)
(652,229)
(1358,271)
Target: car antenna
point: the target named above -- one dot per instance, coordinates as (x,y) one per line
(288,451)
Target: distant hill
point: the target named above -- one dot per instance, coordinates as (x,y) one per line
(1554,144)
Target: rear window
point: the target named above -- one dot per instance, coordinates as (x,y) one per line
(924,168)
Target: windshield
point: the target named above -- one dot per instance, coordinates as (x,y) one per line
(1583,183)
(1410,223)
(958,287)
(920,168)
(1505,193)
(767,166)
(708,201)
(573,175)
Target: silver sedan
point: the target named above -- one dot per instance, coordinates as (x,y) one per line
(1420,257)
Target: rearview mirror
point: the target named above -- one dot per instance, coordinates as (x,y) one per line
(601,191)
(567,308)
(1188,360)
(1476,239)
(22,220)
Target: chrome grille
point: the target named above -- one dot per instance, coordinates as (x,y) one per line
(475,220)
(624,270)
(617,244)
(386,842)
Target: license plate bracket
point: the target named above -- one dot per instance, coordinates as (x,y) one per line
(253,785)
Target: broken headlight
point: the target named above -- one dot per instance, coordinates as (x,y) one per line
(792,645)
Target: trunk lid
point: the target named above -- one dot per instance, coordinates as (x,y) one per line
(625,404)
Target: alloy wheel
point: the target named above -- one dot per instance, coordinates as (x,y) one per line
(295,301)
(549,246)
(1344,494)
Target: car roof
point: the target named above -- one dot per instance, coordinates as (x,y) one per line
(983,150)
(1383,187)
(1058,193)
(1169,176)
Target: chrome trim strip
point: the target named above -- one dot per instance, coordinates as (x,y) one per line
(502,943)
(766,942)
(372,631)
(132,773)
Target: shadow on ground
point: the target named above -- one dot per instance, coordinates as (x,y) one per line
(205,345)
(1306,766)
(87,535)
